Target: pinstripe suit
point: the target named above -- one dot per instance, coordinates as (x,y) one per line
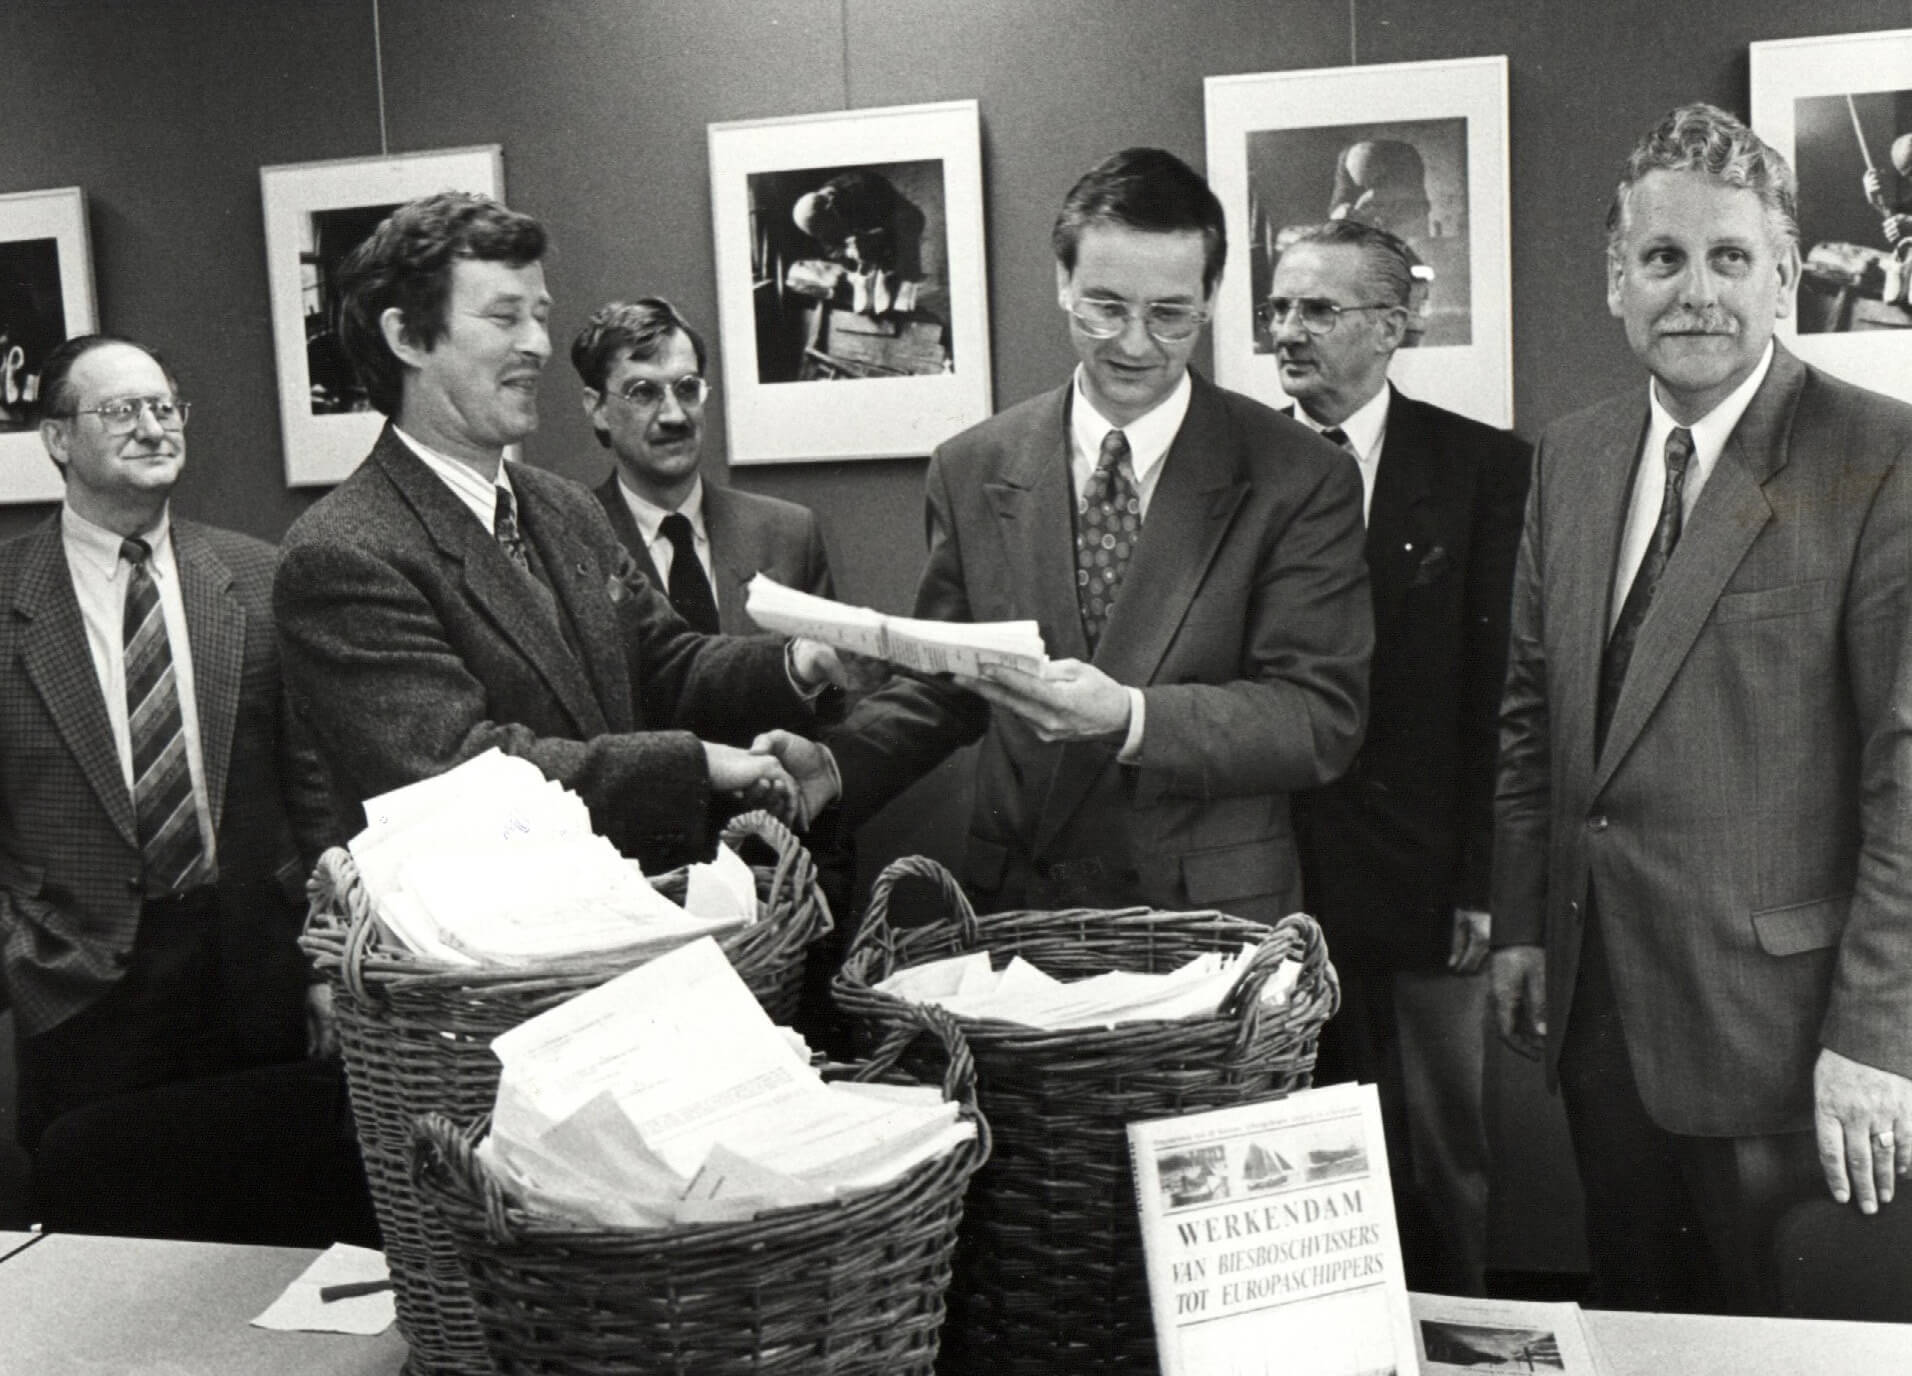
(70,898)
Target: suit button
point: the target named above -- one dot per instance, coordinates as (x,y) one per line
(1597,822)
(133,885)
(122,959)
(1573,909)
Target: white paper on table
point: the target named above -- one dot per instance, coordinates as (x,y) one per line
(299,1308)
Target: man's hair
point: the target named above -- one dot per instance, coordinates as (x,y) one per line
(1387,264)
(1705,138)
(56,398)
(629,329)
(407,263)
(1146,189)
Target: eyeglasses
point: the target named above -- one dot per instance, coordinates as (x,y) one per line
(1318,315)
(647,395)
(122,417)
(1168,322)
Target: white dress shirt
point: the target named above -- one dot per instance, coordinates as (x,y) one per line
(1367,431)
(100,582)
(1710,433)
(650,518)
(478,493)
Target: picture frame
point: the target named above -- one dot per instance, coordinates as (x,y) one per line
(1418,147)
(46,297)
(851,286)
(315,213)
(1833,106)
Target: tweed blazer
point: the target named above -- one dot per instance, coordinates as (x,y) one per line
(1747,829)
(413,643)
(749,534)
(1390,848)
(70,893)
(1244,619)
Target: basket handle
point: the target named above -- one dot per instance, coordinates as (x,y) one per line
(335,883)
(795,872)
(875,930)
(913,1020)
(440,1145)
(1296,936)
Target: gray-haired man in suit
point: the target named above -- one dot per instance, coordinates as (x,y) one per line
(1703,859)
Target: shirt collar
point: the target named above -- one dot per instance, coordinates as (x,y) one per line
(649,515)
(1364,428)
(1710,431)
(466,484)
(99,548)
(1149,435)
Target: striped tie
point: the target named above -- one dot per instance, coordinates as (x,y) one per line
(169,840)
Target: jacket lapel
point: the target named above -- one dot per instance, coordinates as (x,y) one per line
(58,663)
(1032,499)
(216,627)
(1401,484)
(578,582)
(624,526)
(733,549)
(496,587)
(1731,512)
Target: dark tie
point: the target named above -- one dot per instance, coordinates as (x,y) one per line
(689,589)
(169,839)
(1108,523)
(504,525)
(1336,435)
(1626,629)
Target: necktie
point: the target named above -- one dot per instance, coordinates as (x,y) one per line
(504,525)
(1108,523)
(689,589)
(1336,435)
(1626,629)
(169,839)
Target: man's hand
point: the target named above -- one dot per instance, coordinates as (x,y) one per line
(321,1028)
(815,664)
(1863,1118)
(753,780)
(1067,701)
(1467,950)
(1517,985)
(810,765)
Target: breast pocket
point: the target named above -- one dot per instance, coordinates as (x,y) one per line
(1766,604)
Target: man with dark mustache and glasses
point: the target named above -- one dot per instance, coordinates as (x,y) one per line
(441,601)
(1702,886)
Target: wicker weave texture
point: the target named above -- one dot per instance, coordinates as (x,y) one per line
(852,1288)
(416,1035)
(1050,1275)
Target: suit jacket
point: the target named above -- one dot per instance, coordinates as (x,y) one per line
(749,534)
(70,893)
(413,643)
(1747,830)
(1244,618)
(1390,848)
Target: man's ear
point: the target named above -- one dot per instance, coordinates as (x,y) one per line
(1788,280)
(1393,329)
(53,436)
(391,324)
(1062,285)
(592,399)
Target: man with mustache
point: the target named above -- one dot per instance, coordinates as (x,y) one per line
(1396,853)
(442,601)
(1702,887)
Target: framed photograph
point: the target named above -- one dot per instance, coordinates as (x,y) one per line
(1840,108)
(1418,148)
(46,296)
(316,213)
(850,281)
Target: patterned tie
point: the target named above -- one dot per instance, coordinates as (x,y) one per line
(1108,523)
(504,525)
(169,841)
(1626,629)
(689,589)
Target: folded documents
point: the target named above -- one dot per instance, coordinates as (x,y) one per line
(930,647)
(970,986)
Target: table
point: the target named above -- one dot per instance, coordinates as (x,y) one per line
(1708,1345)
(72,1304)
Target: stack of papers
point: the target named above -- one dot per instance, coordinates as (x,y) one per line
(929,647)
(668,1096)
(971,987)
(492,863)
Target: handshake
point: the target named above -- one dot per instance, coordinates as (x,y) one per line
(792,778)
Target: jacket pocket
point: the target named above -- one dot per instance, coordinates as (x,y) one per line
(1212,876)
(1802,927)
(19,878)
(1765,603)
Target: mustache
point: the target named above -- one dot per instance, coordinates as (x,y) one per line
(1705,320)
(675,430)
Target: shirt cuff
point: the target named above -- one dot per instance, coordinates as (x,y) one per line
(809,694)
(1132,743)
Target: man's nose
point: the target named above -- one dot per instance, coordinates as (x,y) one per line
(1287,327)
(534,338)
(670,410)
(146,422)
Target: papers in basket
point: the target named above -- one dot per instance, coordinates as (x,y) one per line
(492,863)
(971,987)
(668,1096)
(930,647)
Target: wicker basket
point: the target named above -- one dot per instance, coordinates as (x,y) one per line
(417,1034)
(1050,1274)
(850,1288)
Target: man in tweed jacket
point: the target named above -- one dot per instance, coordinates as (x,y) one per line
(121,981)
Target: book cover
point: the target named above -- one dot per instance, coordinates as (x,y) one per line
(1270,1238)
